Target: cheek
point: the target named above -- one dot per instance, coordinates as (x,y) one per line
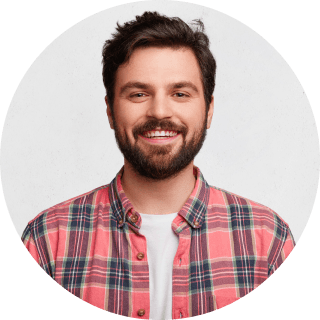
(126,119)
(193,119)
(122,116)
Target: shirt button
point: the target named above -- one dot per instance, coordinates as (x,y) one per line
(134,218)
(121,222)
(141,312)
(140,255)
(196,223)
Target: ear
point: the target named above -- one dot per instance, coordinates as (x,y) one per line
(109,113)
(210,112)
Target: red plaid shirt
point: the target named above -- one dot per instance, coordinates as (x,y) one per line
(91,245)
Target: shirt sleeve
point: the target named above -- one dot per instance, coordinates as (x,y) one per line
(29,243)
(284,250)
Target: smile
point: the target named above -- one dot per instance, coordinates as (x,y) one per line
(156,136)
(159,134)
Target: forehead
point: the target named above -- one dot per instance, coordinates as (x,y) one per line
(160,67)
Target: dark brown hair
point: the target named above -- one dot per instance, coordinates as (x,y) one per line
(154,30)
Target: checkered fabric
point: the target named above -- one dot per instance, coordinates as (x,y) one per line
(91,246)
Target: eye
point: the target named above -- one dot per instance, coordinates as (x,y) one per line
(137,95)
(181,95)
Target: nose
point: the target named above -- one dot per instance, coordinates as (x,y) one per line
(160,107)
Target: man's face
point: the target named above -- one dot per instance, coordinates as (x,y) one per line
(159,113)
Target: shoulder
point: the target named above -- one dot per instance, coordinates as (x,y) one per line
(66,209)
(243,208)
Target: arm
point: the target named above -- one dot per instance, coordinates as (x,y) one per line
(285,247)
(29,243)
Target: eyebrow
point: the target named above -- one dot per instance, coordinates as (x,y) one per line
(134,85)
(141,85)
(184,84)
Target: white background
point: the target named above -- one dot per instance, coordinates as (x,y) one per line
(262,144)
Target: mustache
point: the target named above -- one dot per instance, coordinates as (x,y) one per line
(164,125)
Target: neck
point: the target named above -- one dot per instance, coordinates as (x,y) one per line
(157,197)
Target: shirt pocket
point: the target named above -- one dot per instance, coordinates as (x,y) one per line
(218,301)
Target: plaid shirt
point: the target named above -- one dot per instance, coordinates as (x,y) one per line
(91,245)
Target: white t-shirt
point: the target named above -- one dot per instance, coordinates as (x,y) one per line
(162,245)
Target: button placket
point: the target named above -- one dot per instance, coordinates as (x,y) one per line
(138,245)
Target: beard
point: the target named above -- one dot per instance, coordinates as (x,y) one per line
(157,162)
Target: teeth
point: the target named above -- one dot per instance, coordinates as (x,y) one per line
(151,134)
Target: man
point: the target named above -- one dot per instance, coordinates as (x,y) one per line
(158,242)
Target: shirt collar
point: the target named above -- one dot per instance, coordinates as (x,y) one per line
(193,211)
